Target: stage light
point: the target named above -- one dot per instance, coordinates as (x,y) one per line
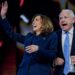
(1,43)
(24,18)
(21,3)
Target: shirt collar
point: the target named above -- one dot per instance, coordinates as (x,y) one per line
(70,31)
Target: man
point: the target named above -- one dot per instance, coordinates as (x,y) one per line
(64,63)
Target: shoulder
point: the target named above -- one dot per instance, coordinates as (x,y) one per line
(74,28)
(53,34)
(29,35)
(58,31)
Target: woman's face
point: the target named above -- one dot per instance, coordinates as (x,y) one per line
(36,24)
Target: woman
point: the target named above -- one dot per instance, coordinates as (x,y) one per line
(40,45)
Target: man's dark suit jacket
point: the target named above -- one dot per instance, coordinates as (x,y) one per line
(37,63)
(59,69)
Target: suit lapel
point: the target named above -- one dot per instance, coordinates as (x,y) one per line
(60,51)
(73,44)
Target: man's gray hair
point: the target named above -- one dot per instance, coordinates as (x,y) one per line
(69,11)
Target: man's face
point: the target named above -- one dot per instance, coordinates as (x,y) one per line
(66,20)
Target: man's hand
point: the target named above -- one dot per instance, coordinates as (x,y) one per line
(4,9)
(58,61)
(31,48)
(73,59)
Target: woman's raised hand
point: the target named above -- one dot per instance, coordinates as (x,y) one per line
(4,9)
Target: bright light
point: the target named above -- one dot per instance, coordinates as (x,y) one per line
(24,18)
(21,3)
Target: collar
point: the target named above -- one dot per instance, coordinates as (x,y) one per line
(70,31)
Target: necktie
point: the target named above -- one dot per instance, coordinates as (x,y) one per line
(66,54)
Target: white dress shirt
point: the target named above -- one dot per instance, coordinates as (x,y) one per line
(70,38)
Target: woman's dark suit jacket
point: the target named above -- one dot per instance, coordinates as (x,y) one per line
(37,63)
